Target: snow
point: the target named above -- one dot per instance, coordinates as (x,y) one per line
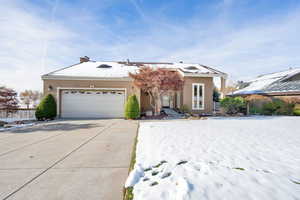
(10,120)
(16,126)
(258,84)
(135,176)
(89,69)
(219,158)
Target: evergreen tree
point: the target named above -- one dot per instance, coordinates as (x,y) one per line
(132,108)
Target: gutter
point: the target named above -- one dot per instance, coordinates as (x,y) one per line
(50,77)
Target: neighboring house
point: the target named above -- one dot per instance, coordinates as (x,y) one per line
(284,84)
(93,89)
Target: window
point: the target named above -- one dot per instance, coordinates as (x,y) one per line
(198,96)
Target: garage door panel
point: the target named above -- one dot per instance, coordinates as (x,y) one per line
(95,104)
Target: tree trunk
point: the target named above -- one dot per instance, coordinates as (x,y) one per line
(158,104)
(152,102)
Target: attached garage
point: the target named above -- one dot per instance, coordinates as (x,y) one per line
(92,103)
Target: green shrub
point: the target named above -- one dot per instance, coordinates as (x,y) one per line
(255,110)
(132,108)
(278,107)
(233,105)
(296,112)
(269,108)
(46,109)
(286,109)
(184,108)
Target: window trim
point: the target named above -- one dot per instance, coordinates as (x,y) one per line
(203,96)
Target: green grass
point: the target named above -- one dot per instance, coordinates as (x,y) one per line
(154,173)
(182,162)
(239,168)
(166,175)
(296,182)
(128,192)
(147,169)
(154,183)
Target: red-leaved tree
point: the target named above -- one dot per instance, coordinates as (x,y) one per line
(156,82)
(8,99)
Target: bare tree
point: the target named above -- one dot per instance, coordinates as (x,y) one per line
(155,82)
(30,97)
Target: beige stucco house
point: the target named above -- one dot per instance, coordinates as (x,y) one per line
(93,89)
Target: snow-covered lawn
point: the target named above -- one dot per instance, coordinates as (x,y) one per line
(219,158)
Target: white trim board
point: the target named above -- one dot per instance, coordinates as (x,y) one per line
(82,78)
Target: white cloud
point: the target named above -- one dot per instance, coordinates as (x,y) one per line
(22,39)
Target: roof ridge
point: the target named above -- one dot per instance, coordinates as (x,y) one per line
(290,69)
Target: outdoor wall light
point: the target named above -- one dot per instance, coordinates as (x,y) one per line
(50,88)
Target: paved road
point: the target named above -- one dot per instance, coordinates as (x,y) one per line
(70,159)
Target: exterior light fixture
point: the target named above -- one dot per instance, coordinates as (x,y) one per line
(50,88)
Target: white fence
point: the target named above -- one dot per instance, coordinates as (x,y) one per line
(16,115)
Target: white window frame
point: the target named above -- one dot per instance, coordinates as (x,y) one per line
(196,107)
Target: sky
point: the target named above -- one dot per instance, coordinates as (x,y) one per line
(243,38)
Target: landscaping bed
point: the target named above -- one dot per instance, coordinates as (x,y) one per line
(218,158)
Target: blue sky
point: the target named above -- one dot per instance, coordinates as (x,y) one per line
(243,38)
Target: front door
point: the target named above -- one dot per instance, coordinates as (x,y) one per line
(165,101)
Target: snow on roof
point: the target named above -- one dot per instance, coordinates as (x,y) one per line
(91,69)
(121,69)
(259,84)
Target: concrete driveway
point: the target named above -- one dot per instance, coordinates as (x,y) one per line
(69,159)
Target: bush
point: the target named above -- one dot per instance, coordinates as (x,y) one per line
(269,108)
(46,109)
(184,109)
(233,105)
(296,112)
(278,107)
(132,108)
(256,103)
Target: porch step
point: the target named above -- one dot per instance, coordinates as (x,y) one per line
(172,113)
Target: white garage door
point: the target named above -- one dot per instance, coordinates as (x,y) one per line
(92,104)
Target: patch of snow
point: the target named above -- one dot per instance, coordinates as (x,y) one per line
(117,70)
(16,126)
(219,158)
(258,84)
(134,176)
(89,69)
(9,120)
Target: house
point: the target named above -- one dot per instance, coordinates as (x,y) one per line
(284,84)
(93,89)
